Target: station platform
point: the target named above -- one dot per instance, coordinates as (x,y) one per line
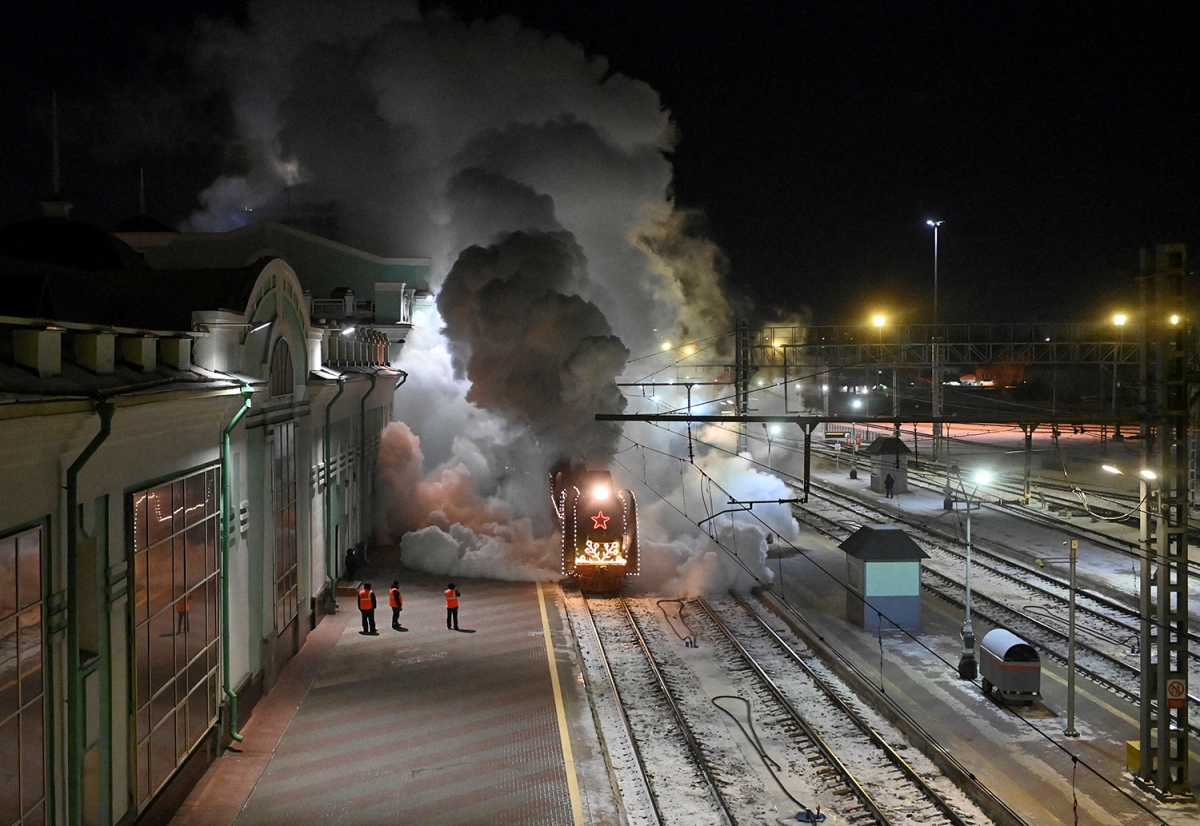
(421,726)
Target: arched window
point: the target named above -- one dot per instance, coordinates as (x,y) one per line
(281,369)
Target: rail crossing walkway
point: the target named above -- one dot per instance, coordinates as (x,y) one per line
(421,726)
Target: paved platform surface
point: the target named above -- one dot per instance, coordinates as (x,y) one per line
(421,726)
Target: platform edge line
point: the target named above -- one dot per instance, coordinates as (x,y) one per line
(561,712)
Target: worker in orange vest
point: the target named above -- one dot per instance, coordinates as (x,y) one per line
(452,595)
(396,601)
(366,604)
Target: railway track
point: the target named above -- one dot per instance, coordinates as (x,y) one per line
(889,787)
(767,754)
(1008,594)
(662,775)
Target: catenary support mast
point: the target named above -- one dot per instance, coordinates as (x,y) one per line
(1163,332)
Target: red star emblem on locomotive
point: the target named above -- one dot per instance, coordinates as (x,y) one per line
(600,521)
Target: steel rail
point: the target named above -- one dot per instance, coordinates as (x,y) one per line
(637,752)
(846,773)
(685,729)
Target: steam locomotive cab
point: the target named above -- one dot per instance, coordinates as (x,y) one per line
(599,528)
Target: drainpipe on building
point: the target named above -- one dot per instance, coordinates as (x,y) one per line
(362,448)
(226,526)
(75,702)
(330,551)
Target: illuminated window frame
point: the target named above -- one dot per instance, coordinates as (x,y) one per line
(22,692)
(175,601)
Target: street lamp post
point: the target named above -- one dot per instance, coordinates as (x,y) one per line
(936,384)
(967,667)
(935,225)
(856,404)
(1119,319)
(772,430)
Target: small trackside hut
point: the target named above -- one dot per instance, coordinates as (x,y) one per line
(889,455)
(1009,665)
(883,572)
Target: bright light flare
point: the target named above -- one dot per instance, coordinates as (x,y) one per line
(666,345)
(600,492)
(1119,319)
(983,477)
(879,320)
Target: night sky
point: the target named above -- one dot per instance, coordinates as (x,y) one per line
(817,138)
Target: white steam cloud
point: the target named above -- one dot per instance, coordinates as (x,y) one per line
(535,180)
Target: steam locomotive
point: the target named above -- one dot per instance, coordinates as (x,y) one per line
(599,527)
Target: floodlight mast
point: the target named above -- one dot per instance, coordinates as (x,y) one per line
(935,376)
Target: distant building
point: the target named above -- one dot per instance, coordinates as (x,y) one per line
(889,456)
(189,428)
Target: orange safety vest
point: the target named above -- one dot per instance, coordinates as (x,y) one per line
(364,599)
(394,598)
(451,599)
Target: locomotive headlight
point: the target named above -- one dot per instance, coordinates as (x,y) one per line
(600,492)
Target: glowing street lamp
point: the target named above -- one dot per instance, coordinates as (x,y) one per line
(967,667)
(856,405)
(1119,319)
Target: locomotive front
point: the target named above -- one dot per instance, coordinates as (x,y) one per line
(599,529)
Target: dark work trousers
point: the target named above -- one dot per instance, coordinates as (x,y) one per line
(395,616)
(452,618)
(368,620)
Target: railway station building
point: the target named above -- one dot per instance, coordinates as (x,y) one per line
(189,426)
